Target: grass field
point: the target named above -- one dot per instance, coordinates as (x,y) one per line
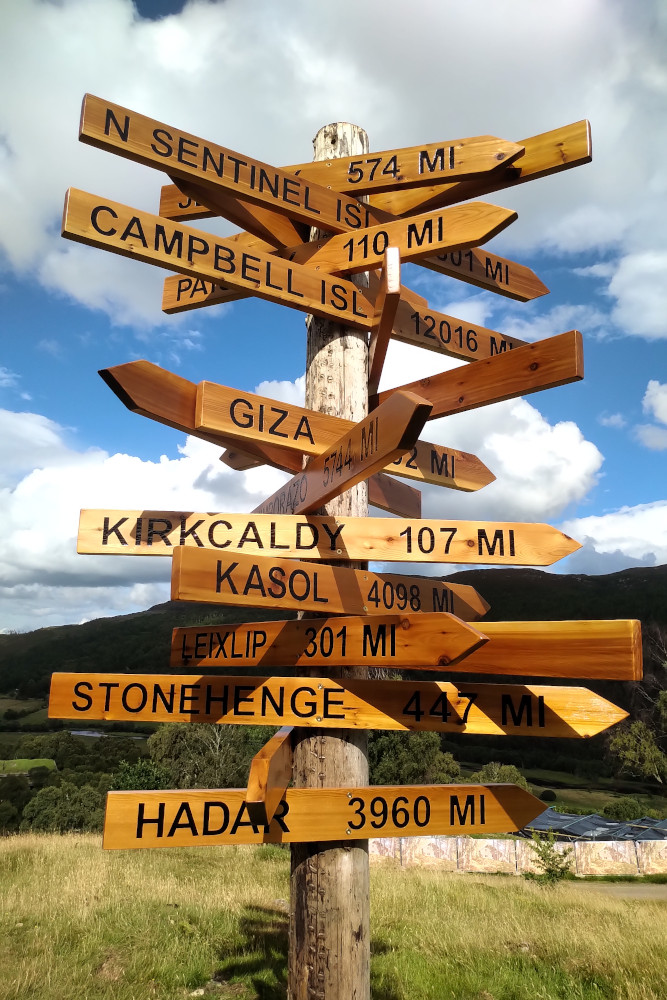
(78,922)
(23,764)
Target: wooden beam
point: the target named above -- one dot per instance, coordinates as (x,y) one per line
(270,774)
(377,440)
(274,582)
(542,365)
(199,818)
(386,304)
(331,703)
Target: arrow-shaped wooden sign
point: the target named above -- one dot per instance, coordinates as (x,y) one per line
(274,582)
(593,650)
(106,224)
(543,365)
(221,414)
(380,438)
(206,818)
(486,270)
(543,155)
(334,703)
(270,774)
(158,532)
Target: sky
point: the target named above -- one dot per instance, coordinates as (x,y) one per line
(261,78)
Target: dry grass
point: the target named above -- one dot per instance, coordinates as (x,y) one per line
(78,922)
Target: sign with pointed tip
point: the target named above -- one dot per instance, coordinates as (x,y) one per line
(332,703)
(386,302)
(542,365)
(486,270)
(108,225)
(158,532)
(270,774)
(380,438)
(217,169)
(453,229)
(206,818)
(543,155)
(274,582)
(222,415)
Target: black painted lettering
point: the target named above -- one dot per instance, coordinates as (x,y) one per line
(167,248)
(276,576)
(225,577)
(309,708)
(241,698)
(183,153)
(419,238)
(143,821)
(165,139)
(94,220)
(108,530)
(208,159)
(437,163)
(314,535)
(207,830)
(254,581)
(162,533)
(107,698)
(211,529)
(277,707)
(191,532)
(134,230)
(246,267)
(167,699)
(80,693)
(110,118)
(143,697)
(371,644)
(333,535)
(278,421)
(331,702)
(180,823)
(461,817)
(250,534)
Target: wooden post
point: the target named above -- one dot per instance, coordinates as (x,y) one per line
(329,951)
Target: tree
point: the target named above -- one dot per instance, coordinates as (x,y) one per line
(143,774)
(207,756)
(637,750)
(64,809)
(398,758)
(494,772)
(9,817)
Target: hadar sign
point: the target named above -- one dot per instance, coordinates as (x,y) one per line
(158,532)
(201,818)
(274,582)
(221,414)
(383,436)
(438,706)
(542,365)
(544,154)
(428,639)
(109,225)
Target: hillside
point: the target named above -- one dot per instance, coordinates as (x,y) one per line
(140,642)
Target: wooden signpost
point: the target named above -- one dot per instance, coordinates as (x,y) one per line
(220,414)
(275,582)
(158,532)
(420,706)
(208,818)
(412,211)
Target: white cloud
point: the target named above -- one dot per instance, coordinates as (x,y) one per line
(655,401)
(635,533)
(639,288)
(651,436)
(615,420)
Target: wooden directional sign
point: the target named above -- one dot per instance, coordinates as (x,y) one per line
(270,774)
(592,650)
(436,639)
(158,532)
(386,303)
(263,582)
(413,166)
(383,436)
(455,228)
(111,226)
(220,414)
(216,168)
(543,365)
(544,154)
(202,818)
(486,270)
(333,703)
(227,411)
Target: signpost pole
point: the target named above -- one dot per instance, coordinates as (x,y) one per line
(329,950)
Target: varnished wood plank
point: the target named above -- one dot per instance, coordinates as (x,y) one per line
(487,270)
(444,334)
(542,365)
(274,582)
(180,154)
(270,774)
(544,154)
(430,639)
(109,225)
(590,650)
(380,539)
(380,438)
(243,416)
(392,495)
(222,415)
(386,303)
(330,703)
(417,238)
(198,818)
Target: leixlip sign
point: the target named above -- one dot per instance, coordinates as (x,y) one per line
(439,706)
(200,818)
(274,582)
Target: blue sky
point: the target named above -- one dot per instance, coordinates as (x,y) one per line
(261,78)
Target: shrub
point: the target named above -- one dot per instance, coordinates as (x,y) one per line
(548,795)
(553,865)
(623,809)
